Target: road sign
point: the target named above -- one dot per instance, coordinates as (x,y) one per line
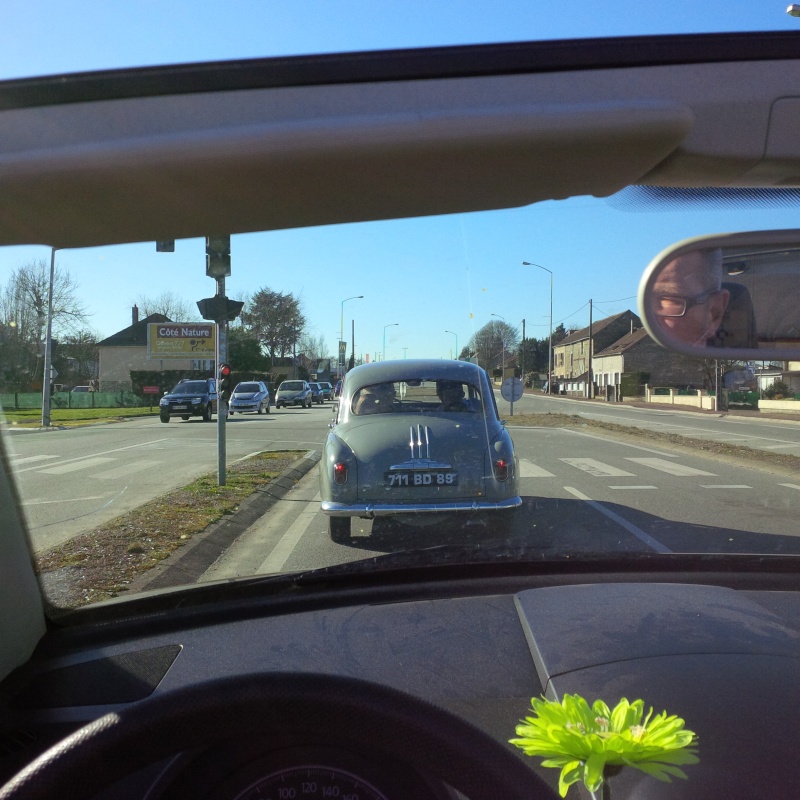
(511,389)
(180,340)
(150,389)
(53,373)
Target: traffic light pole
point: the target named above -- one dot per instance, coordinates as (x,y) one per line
(221,347)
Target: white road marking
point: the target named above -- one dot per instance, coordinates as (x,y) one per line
(670,467)
(285,547)
(646,538)
(77,465)
(633,487)
(597,468)
(725,486)
(527,469)
(62,500)
(780,446)
(15,460)
(106,452)
(128,469)
(790,485)
(621,444)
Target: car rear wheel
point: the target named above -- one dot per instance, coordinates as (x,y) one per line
(207,413)
(260,409)
(339,528)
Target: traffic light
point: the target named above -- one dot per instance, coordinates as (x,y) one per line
(218,256)
(224,390)
(219,308)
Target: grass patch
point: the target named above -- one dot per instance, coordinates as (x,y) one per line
(104,562)
(742,455)
(32,417)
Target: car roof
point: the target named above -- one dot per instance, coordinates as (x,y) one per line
(413,369)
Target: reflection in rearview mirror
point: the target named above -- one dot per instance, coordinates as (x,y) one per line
(730,296)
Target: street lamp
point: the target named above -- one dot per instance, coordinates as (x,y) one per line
(343,359)
(456,335)
(48,345)
(383,352)
(503,342)
(550,345)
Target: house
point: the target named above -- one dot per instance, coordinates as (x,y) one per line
(638,352)
(127,351)
(571,355)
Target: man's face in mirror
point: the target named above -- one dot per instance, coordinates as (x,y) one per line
(687,297)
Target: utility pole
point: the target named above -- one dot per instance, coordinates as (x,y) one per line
(591,343)
(48,345)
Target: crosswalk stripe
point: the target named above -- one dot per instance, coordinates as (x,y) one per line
(76,465)
(527,469)
(725,486)
(30,459)
(597,468)
(128,469)
(669,467)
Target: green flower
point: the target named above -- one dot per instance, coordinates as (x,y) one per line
(581,740)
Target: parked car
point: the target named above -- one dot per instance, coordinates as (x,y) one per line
(81,389)
(191,397)
(459,459)
(317,394)
(250,396)
(327,390)
(155,646)
(294,393)
(338,388)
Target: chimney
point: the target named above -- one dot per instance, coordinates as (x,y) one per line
(135,314)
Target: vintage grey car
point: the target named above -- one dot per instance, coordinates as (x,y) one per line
(421,441)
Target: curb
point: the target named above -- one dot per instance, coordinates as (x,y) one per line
(186,564)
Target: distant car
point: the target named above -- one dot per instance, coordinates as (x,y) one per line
(250,396)
(327,390)
(294,393)
(316,393)
(81,388)
(458,460)
(190,398)
(337,389)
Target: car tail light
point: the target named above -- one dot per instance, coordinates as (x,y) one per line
(340,473)
(501,469)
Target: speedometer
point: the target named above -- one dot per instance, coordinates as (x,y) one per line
(310,782)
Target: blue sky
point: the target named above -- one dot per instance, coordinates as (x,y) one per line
(428,275)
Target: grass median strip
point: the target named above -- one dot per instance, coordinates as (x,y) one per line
(69,417)
(102,563)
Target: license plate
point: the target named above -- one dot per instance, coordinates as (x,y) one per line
(396,480)
(180,408)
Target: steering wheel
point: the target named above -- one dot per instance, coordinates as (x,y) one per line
(358,712)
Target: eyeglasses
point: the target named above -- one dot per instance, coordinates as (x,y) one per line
(670,305)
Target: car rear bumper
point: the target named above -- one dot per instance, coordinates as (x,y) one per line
(370,510)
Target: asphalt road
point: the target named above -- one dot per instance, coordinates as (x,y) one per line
(75,479)
(582,490)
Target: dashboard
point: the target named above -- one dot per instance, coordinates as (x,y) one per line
(406,691)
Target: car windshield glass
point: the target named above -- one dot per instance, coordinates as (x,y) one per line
(454,239)
(190,387)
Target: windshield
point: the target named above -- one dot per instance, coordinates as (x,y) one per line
(497,393)
(190,387)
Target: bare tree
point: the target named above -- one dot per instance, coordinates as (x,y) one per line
(170,305)
(23,316)
(492,342)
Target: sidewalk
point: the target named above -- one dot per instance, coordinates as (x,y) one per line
(637,403)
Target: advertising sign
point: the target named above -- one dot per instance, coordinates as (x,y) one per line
(180,340)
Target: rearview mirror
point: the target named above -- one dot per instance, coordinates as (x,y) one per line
(732,296)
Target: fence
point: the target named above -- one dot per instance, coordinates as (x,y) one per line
(19,401)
